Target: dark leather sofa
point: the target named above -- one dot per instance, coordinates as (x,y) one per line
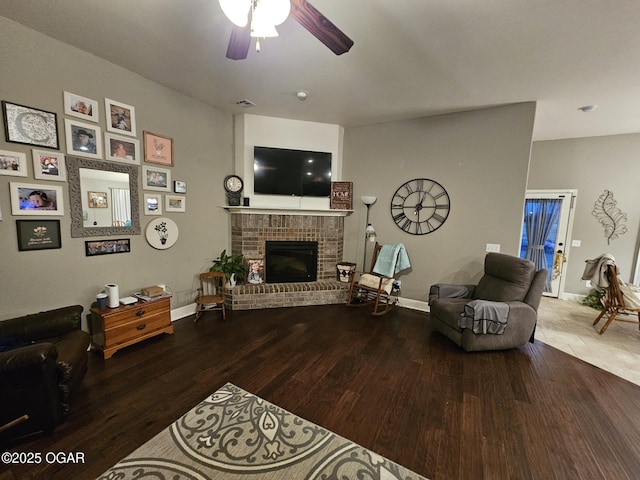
(43,359)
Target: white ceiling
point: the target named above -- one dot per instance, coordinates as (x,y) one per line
(411,58)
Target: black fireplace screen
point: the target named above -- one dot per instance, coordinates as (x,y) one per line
(291,261)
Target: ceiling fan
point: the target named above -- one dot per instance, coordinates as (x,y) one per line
(258,18)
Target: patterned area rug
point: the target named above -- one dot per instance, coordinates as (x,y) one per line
(234,434)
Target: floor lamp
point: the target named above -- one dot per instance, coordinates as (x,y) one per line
(368,200)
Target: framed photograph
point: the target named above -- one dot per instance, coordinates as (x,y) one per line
(179,187)
(83,139)
(152,204)
(106,247)
(30,126)
(158,149)
(48,165)
(13,163)
(175,203)
(255,269)
(122,149)
(38,234)
(33,199)
(81,107)
(121,118)
(154,178)
(97,199)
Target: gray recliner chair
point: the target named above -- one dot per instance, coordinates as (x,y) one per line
(498,313)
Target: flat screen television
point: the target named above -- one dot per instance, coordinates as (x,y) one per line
(280,171)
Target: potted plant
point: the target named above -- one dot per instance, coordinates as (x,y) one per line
(231,265)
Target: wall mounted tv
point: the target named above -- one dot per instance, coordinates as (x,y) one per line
(280,171)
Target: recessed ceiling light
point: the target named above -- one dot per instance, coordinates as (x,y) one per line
(588,108)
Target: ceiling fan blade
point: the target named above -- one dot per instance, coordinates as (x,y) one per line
(320,27)
(239,43)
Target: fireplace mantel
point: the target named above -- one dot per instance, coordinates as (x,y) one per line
(287,211)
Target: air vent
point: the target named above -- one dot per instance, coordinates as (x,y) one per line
(245,103)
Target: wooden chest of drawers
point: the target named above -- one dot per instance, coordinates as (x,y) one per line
(116,328)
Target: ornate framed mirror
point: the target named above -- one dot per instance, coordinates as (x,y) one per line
(104,198)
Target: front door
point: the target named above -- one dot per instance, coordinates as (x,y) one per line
(546,225)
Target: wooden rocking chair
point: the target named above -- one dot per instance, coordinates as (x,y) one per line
(210,294)
(614,301)
(369,288)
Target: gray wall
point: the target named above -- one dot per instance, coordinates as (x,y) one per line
(480,157)
(36,71)
(592,165)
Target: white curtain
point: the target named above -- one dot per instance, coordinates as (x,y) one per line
(120,206)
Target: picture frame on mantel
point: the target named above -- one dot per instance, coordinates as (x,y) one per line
(341,196)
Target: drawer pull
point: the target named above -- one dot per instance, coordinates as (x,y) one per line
(140,312)
(141,327)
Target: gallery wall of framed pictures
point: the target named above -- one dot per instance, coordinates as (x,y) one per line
(112,137)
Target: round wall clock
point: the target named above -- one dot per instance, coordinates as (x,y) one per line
(420,206)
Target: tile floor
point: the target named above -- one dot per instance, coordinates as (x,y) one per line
(568,326)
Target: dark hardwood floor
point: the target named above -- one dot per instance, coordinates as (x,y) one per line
(388,383)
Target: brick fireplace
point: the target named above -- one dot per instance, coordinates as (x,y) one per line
(251,228)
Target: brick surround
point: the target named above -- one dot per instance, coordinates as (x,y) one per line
(250,231)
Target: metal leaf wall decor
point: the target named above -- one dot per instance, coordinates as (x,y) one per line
(610,216)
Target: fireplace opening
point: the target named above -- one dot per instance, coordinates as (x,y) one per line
(291,261)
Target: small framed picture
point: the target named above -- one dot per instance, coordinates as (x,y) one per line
(97,199)
(30,126)
(158,149)
(83,139)
(13,163)
(175,203)
(81,107)
(155,178)
(33,199)
(121,118)
(179,187)
(106,247)
(152,204)
(38,234)
(48,165)
(255,269)
(122,149)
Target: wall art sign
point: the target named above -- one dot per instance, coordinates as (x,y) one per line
(30,126)
(162,233)
(38,234)
(152,204)
(158,149)
(610,216)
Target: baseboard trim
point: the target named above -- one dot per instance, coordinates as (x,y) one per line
(181,312)
(413,304)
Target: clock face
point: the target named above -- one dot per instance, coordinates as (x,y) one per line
(233,184)
(420,206)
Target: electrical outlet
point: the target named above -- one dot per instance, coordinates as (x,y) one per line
(588,283)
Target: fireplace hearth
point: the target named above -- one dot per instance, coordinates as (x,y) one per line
(291,261)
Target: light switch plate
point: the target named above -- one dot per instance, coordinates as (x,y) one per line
(493,247)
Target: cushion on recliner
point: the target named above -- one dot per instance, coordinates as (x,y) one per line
(506,278)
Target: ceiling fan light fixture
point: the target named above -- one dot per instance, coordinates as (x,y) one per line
(237,11)
(276,11)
